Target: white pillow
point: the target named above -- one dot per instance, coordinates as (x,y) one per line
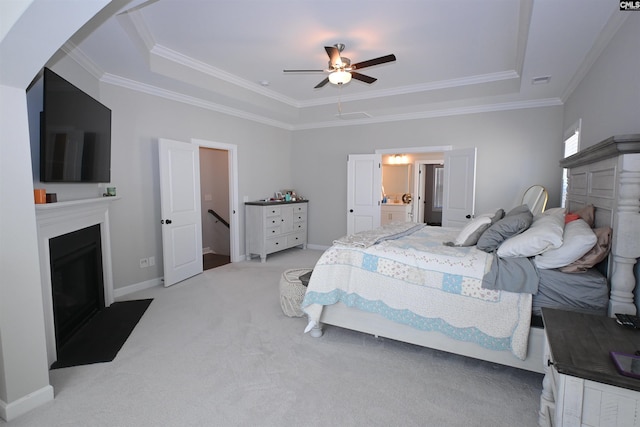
(578,239)
(545,233)
(471,232)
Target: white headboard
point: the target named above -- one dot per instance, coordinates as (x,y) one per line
(607,175)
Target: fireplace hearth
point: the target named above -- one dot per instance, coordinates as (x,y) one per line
(76,280)
(59,219)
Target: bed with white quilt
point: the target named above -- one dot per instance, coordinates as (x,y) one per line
(476,291)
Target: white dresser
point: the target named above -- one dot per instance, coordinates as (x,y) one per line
(275,226)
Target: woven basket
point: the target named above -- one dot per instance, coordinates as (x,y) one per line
(292,291)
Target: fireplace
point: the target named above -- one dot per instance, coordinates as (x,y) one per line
(59,219)
(76,280)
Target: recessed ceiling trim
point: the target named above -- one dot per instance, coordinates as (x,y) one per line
(610,29)
(71,50)
(190,100)
(486,108)
(426,87)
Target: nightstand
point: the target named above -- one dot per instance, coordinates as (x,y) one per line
(582,386)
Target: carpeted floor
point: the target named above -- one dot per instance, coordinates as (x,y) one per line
(216,350)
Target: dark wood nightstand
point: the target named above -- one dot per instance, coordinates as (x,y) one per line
(582,386)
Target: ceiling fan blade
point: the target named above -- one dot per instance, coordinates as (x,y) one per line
(334,55)
(362,77)
(303,71)
(376,61)
(322,83)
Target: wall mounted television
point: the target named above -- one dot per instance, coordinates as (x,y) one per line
(75,134)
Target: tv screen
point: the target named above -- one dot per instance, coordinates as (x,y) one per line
(75,135)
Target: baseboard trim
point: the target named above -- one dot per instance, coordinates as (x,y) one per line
(318,247)
(120,292)
(11,411)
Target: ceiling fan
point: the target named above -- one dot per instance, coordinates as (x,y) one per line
(341,70)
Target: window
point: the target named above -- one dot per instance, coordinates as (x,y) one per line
(571,147)
(438,187)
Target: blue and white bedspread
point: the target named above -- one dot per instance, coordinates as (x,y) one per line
(418,281)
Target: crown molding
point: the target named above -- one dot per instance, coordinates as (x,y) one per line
(190,100)
(604,38)
(459,111)
(75,53)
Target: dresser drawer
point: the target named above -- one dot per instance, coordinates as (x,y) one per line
(296,239)
(272,231)
(272,211)
(298,208)
(276,244)
(273,221)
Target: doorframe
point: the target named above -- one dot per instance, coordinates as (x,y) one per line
(415,150)
(418,184)
(234,223)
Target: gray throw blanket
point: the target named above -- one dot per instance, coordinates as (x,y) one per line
(518,275)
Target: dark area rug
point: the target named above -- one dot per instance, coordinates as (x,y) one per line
(103,336)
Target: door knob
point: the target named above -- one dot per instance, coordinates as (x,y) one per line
(168,221)
(350,210)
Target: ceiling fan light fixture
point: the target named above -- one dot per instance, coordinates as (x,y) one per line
(340,77)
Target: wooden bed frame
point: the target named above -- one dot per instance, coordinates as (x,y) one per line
(606,175)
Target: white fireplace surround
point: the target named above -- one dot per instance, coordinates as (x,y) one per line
(57,219)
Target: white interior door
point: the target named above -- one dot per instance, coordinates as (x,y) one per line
(364,192)
(459,187)
(180,210)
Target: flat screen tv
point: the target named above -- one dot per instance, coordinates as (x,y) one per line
(75,134)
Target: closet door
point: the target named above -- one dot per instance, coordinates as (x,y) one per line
(364,192)
(459,187)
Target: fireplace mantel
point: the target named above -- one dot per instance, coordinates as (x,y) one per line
(57,219)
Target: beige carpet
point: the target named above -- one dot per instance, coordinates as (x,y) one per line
(216,350)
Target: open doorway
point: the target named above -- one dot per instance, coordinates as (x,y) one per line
(214,194)
(219,203)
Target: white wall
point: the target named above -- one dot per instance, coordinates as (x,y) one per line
(523,145)
(138,120)
(608,97)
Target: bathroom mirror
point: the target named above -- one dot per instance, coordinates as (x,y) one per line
(396,180)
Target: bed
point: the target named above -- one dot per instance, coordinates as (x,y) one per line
(372,283)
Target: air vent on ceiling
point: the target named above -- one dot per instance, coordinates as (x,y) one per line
(542,80)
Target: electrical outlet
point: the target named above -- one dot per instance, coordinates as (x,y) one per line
(152,261)
(144,262)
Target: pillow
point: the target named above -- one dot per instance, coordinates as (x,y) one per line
(578,239)
(588,214)
(508,226)
(471,232)
(571,217)
(518,210)
(595,255)
(495,217)
(545,233)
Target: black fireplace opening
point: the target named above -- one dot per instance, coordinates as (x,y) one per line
(76,280)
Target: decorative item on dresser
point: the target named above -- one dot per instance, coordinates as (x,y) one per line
(273,226)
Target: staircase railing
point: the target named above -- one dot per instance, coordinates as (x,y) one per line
(218,217)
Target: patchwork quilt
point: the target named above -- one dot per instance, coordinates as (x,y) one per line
(415,280)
